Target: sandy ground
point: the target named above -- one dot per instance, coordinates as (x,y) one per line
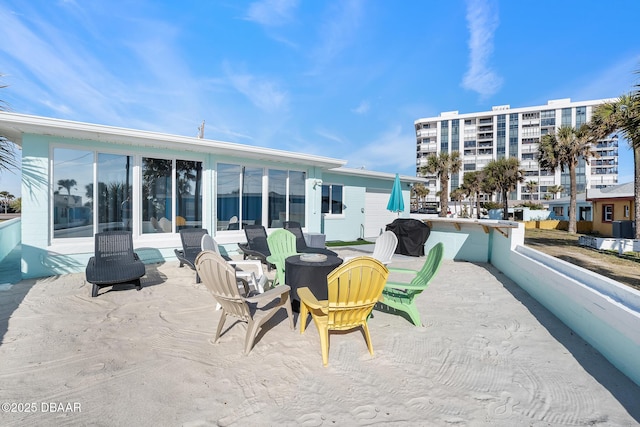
(487,355)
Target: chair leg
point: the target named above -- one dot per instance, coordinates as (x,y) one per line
(223,317)
(252,332)
(94,290)
(302,318)
(138,285)
(287,306)
(413,313)
(324,344)
(367,337)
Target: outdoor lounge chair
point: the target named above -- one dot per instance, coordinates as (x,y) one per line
(220,278)
(282,245)
(256,246)
(353,290)
(191,246)
(114,261)
(301,243)
(402,296)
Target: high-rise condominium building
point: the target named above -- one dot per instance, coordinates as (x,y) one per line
(515,132)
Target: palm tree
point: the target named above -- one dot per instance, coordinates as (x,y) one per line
(7,152)
(563,150)
(555,189)
(67,183)
(472,183)
(6,199)
(622,115)
(457,195)
(532,187)
(504,175)
(420,192)
(442,166)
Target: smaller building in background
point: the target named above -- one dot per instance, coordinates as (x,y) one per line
(613,210)
(560,208)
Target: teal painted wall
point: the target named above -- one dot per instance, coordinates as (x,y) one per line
(10,234)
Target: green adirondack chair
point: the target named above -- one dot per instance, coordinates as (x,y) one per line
(282,245)
(402,296)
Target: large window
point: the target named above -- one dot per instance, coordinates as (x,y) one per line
(297,206)
(94,192)
(157,199)
(240,196)
(115,180)
(188,194)
(332,199)
(73,193)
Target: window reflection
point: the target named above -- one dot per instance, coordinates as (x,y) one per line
(277,197)
(228,191)
(156,195)
(297,197)
(189,194)
(73,193)
(252,195)
(115,177)
(332,199)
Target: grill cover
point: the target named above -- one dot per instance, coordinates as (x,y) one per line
(412,235)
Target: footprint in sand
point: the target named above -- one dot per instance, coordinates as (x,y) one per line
(310,420)
(366,412)
(503,408)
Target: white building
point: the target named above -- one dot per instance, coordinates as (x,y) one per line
(515,132)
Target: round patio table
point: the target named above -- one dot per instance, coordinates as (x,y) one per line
(313,275)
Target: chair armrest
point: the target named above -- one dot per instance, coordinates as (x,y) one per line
(249,262)
(271,294)
(404,286)
(402,270)
(307,297)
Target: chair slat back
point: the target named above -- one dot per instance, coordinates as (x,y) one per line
(257,238)
(430,267)
(353,290)
(295,228)
(191,241)
(114,246)
(282,243)
(385,247)
(220,279)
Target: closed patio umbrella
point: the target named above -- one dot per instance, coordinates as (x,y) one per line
(396,201)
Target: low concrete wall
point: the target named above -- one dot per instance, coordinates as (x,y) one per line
(10,235)
(554,224)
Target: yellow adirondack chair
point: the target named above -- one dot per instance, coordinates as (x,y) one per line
(353,289)
(402,296)
(282,245)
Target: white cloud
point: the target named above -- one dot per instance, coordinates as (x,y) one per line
(263,93)
(392,151)
(482,21)
(271,13)
(330,136)
(363,108)
(337,32)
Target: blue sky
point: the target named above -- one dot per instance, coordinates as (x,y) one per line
(338,78)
